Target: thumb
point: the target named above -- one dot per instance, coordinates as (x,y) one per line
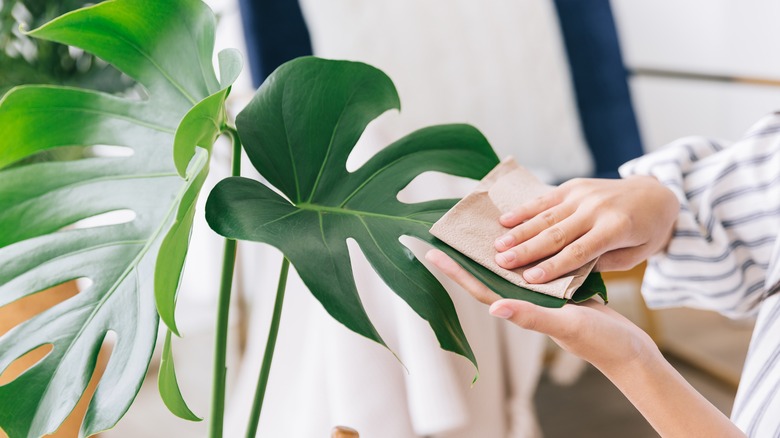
(551,322)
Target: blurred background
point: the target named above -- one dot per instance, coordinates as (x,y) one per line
(569,87)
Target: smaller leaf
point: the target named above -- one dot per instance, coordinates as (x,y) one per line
(166,280)
(203,123)
(199,128)
(169,386)
(593,285)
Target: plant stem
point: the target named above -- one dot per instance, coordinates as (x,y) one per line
(223,310)
(265,369)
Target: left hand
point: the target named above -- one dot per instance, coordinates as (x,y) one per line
(590,330)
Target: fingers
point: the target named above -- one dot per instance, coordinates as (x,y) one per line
(548,241)
(453,270)
(531,208)
(533,227)
(571,257)
(552,322)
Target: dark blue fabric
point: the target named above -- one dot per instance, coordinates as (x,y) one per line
(600,83)
(275,33)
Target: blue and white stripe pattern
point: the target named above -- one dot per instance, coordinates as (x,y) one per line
(725,254)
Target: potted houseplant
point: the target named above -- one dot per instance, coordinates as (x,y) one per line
(297,131)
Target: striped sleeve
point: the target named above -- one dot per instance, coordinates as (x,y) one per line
(722,246)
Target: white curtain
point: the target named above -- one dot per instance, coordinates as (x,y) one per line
(495,64)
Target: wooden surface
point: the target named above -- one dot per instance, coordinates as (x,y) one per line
(344,432)
(22,310)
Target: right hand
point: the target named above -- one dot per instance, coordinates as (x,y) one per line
(622,222)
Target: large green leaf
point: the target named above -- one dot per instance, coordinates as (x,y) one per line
(298,132)
(167,47)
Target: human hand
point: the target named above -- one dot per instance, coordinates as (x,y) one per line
(590,330)
(618,348)
(620,221)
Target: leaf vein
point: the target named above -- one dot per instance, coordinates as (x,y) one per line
(76,184)
(332,138)
(369,179)
(120,280)
(138,122)
(159,68)
(404,272)
(289,146)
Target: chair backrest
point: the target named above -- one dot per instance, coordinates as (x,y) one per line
(276,32)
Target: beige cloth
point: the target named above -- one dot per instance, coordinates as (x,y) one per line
(472,226)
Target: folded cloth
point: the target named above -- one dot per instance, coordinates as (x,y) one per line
(471,226)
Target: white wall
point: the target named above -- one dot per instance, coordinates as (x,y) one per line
(715,52)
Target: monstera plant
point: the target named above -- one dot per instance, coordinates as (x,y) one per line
(298,132)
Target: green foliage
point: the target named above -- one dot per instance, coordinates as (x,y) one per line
(298,132)
(169,387)
(167,48)
(27,60)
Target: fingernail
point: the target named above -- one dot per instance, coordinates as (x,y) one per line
(533,274)
(506,217)
(501,312)
(505,258)
(505,241)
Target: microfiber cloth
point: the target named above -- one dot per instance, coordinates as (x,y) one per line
(472,226)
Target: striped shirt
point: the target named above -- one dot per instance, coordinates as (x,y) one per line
(724,254)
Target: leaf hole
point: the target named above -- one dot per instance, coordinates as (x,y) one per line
(109,341)
(73,421)
(36,303)
(74,153)
(108,151)
(379,133)
(60,153)
(24,363)
(367,280)
(114,217)
(83,283)
(429,186)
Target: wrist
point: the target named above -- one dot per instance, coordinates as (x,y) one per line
(668,402)
(665,206)
(644,357)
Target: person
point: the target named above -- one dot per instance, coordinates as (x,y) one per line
(707,215)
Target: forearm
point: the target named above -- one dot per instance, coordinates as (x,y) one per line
(618,348)
(668,402)
(722,237)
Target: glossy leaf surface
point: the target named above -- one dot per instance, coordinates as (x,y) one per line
(167,47)
(298,132)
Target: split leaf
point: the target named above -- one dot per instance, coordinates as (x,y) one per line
(167,47)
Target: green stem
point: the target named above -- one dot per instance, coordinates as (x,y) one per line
(265,369)
(223,310)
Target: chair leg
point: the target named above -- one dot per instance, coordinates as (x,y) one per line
(344,432)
